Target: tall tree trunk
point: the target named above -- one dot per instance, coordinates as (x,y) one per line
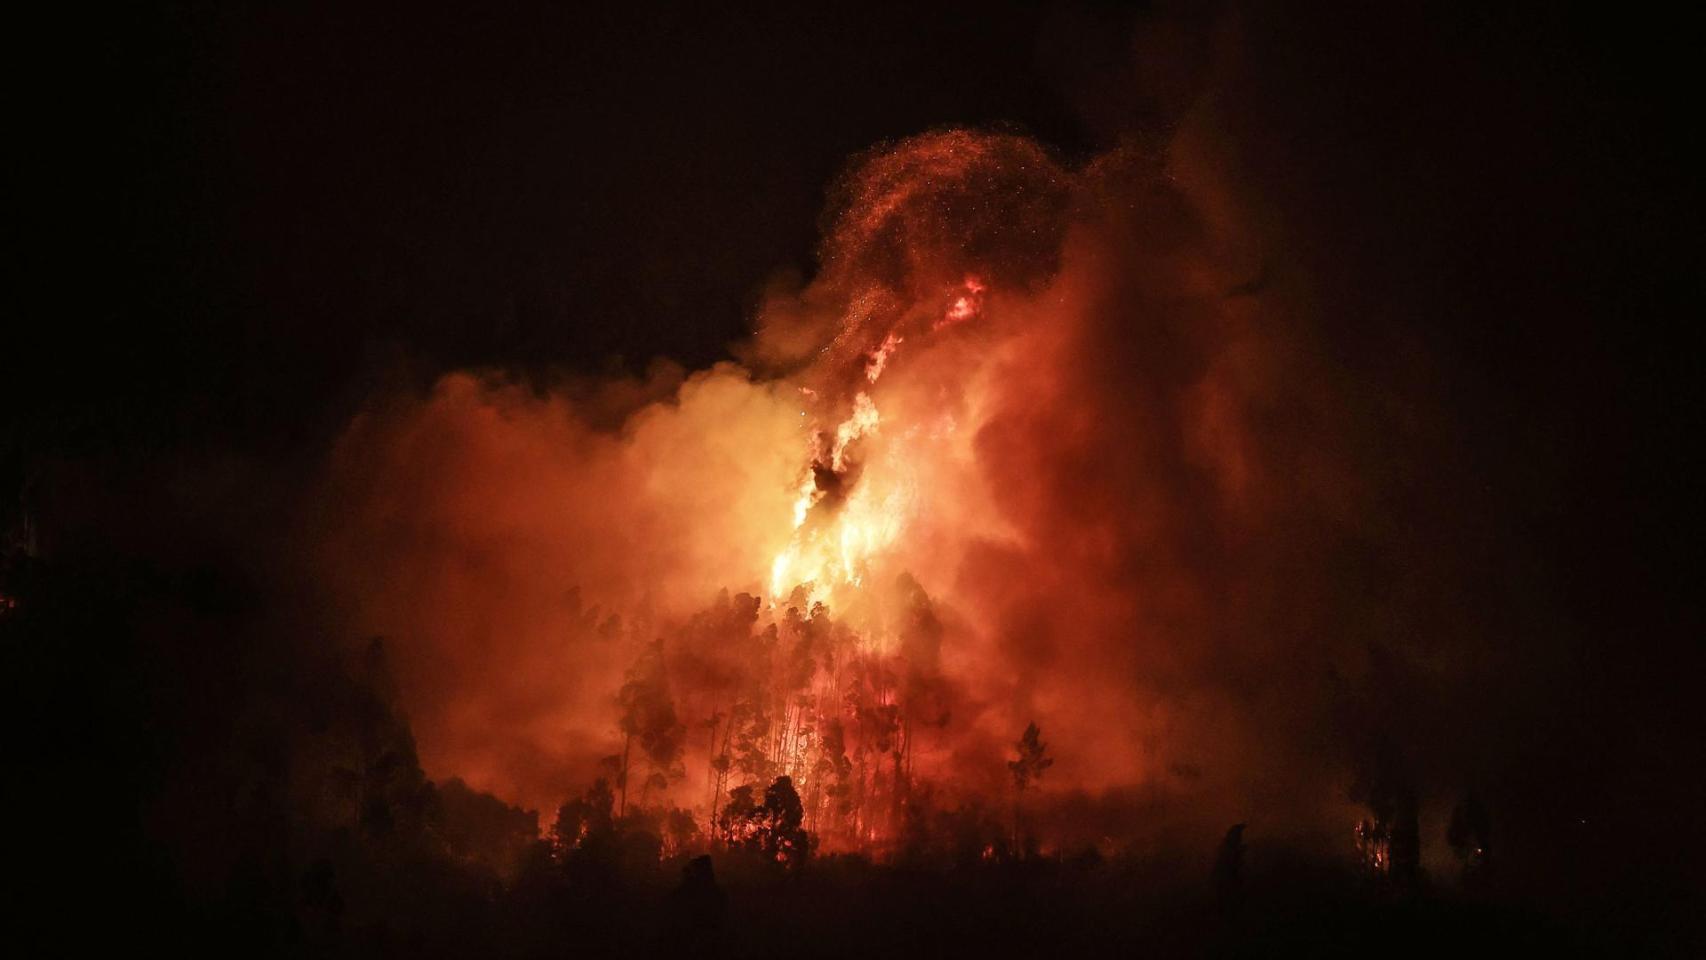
(711,777)
(1018,841)
(722,774)
(622,808)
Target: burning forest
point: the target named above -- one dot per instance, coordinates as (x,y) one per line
(1072,480)
(865,561)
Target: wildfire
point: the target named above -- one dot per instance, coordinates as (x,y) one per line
(831,547)
(879,357)
(892,506)
(861,423)
(967,304)
(835,551)
(844,729)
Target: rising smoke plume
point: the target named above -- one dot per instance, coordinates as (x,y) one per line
(1048,440)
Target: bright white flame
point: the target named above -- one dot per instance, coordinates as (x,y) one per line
(836,550)
(879,358)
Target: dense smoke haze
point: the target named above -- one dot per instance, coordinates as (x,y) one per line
(521,455)
(1085,454)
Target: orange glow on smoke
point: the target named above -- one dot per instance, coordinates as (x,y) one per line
(967,304)
(943,513)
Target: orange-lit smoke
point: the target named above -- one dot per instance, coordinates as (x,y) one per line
(1020,436)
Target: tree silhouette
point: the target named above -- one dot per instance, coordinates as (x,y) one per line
(1229,864)
(1033,759)
(775,827)
(781,834)
(1470,836)
(584,818)
(648,715)
(696,912)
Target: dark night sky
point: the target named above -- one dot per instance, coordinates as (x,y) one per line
(267,207)
(283,201)
(241,220)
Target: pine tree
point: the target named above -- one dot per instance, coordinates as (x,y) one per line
(1029,766)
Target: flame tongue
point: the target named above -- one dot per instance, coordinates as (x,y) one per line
(832,547)
(835,550)
(967,304)
(879,357)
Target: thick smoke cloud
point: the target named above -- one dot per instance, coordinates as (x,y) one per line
(499,542)
(1116,458)
(1303,443)
(1093,456)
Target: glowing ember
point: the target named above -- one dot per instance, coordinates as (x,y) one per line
(880,357)
(967,304)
